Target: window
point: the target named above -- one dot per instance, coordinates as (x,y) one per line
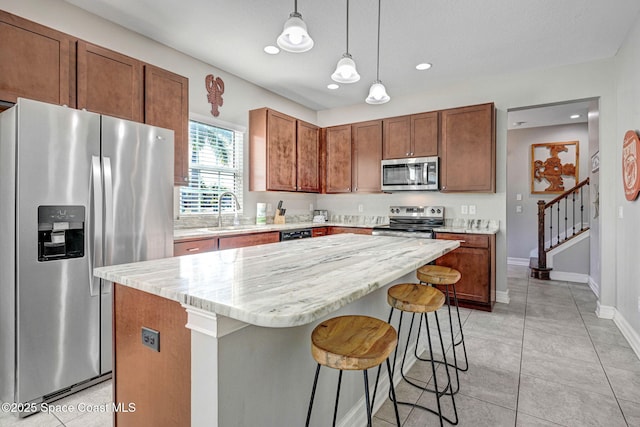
(215,166)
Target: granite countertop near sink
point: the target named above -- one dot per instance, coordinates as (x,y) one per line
(183,234)
(470,226)
(281,284)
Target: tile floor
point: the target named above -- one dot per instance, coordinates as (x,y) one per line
(544,359)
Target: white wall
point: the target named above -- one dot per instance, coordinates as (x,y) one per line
(626,232)
(523,227)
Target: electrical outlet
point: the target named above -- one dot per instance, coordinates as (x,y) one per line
(360,208)
(519,209)
(519,196)
(464,209)
(472,209)
(620,212)
(151,339)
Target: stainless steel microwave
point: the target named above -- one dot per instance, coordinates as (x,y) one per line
(418,173)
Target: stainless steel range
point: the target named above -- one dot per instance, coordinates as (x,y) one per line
(412,221)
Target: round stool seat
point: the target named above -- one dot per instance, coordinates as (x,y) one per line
(438,275)
(353,342)
(415,298)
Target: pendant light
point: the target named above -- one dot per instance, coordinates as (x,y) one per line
(294,37)
(346,69)
(377,92)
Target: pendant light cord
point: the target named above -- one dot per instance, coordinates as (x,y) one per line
(347,26)
(378,60)
(295,6)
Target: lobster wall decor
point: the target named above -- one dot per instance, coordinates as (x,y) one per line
(215,89)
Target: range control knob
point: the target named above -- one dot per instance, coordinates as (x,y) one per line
(433,210)
(439,210)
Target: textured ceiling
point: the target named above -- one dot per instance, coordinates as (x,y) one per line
(462,38)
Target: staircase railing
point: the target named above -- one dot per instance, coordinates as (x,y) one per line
(550,211)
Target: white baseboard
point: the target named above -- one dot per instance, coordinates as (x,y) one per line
(595,287)
(518,261)
(627,331)
(568,276)
(503,296)
(605,311)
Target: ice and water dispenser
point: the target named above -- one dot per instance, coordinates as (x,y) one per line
(60,232)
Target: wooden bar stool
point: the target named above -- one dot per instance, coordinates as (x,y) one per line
(349,343)
(419,299)
(446,276)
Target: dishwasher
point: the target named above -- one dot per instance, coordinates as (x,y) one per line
(295,234)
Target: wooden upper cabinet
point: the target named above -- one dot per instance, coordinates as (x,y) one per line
(397,137)
(410,136)
(166,104)
(367,156)
(468,149)
(337,142)
(109,83)
(272,151)
(35,62)
(424,134)
(308,157)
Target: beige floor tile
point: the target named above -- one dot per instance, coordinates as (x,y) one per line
(616,356)
(578,348)
(631,412)
(625,384)
(524,420)
(37,420)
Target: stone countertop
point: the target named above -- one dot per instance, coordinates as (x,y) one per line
(281,284)
(469,226)
(200,233)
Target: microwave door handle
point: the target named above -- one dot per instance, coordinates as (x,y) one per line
(95,226)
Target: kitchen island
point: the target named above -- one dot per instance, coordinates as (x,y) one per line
(250,313)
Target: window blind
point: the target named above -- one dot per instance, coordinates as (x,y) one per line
(215,166)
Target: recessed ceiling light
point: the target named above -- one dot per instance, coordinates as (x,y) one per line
(575,116)
(271,50)
(423,66)
(332,86)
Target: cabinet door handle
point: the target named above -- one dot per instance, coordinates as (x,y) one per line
(411,153)
(407,154)
(348,188)
(193,249)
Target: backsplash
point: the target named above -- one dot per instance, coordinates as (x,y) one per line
(207,221)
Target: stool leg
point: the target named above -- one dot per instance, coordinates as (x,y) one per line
(464,348)
(453,346)
(433,368)
(393,393)
(313,393)
(375,388)
(446,366)
(335,408)
(366,398)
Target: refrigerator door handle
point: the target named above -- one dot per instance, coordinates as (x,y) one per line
(95,236)
(108,220)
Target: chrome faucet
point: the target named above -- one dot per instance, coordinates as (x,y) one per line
(220,203)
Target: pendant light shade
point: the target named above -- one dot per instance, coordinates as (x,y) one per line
(346,69)
(377,92)
(294,37)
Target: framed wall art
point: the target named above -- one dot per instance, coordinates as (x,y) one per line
(554,167)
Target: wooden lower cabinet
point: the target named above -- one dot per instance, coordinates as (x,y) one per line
(319,231)
(475,259)
(354,230)
(191,247)
(157,382)
(244,240)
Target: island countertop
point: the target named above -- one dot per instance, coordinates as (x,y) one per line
(281,284)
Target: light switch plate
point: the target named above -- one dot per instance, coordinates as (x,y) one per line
(360,208)
(519,196)
(464,210)
(472,209)
(519,209)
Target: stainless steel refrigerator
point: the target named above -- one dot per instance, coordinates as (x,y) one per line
(77,190)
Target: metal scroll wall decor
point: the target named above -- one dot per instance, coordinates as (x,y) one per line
(552,164)
(215,89)
(631,165)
